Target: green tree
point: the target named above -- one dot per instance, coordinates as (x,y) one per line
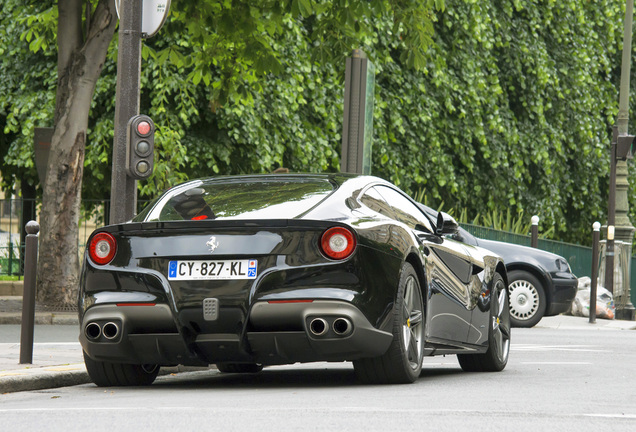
(229,46)
(512,111)
(81,50)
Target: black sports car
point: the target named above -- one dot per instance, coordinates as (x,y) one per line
(259,270)
(540,283)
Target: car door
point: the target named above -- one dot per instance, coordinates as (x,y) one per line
(476,288)
(448,270)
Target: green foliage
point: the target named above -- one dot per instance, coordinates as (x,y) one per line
(233,86)
(27,86)
(499,220)
(493,107)
(513,111)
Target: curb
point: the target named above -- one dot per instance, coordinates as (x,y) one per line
(11,288)
(569,322)
(51,377)
(64,376)
(54,318)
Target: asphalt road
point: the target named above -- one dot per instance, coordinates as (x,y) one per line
(570,380)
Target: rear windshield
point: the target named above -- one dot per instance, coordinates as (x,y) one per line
(238,199)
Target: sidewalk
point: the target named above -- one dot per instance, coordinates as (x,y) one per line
(54,365)
(11,313)
(569,322)
(57,364)
(61,364)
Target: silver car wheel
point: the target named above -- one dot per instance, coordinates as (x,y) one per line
(501,329)
(524,299)
(402,362)
(412,329)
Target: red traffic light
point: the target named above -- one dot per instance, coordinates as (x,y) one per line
(143,128)
(140,147)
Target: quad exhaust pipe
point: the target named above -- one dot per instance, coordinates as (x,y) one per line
(341,326)
(110,330)
(318,326)
(94,331)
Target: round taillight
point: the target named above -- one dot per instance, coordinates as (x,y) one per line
(338,243)
(102,248)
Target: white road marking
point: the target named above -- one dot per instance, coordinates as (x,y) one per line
(556,363)
(614,416)
(11,344)
(353,409)
(571,348)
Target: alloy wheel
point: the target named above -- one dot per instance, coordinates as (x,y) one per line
(501,327)
(412,329)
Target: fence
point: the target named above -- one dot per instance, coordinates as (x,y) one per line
(10,213)
(579,257)
(12,235)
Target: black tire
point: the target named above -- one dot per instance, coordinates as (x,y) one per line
(527,299)
(496,358)
(239,367)
(107,374)
(402,363)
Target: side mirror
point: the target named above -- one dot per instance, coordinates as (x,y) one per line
(446,224)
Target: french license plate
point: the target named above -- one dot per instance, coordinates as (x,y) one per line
(212,270)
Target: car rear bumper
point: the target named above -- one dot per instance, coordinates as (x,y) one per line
(331,331)
(144,335)
(277,333)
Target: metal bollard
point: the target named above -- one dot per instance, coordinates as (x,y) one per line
(534,232)
(28,296)
(596,237)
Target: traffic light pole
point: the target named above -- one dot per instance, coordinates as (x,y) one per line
(123,196)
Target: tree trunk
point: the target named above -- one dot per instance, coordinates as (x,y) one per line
(80,61)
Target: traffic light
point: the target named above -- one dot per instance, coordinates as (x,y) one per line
(141,145)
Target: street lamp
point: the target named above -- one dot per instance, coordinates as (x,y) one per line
(619,226)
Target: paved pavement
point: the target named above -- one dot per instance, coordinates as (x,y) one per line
(59,364)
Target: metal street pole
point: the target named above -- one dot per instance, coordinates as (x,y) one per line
(596,236)
(28,297)
(534,232)
(611,216)
(357,123)
(123,197)
(618,211)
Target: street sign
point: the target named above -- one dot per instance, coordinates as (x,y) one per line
(153,16)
